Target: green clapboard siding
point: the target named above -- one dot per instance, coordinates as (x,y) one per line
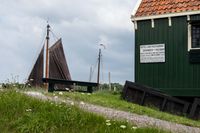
(177,76)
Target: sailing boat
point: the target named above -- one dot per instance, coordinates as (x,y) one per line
(55,66)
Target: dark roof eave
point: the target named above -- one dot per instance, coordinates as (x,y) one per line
(187,13)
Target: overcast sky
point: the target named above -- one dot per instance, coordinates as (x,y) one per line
(82,27)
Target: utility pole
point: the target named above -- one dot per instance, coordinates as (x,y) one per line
(99,61)
(99,64)
(47,55)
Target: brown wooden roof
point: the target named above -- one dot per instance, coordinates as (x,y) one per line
(161,7)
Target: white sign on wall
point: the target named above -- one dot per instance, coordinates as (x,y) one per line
(153,53)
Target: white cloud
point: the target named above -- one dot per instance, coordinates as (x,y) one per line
(82,25)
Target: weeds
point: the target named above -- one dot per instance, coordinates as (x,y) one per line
(20,113)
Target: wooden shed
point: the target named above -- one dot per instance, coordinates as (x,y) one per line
(167,46)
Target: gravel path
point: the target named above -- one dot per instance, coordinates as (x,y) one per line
(139,120)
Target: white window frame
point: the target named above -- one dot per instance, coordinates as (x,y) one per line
(190,37)
(152,23)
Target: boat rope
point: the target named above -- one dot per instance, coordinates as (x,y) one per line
(55,37)
(94,69)
(38,50)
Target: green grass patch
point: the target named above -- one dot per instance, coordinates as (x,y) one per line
(20,113)
(113,100)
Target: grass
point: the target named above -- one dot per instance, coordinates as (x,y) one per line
(112,100)
(20,113)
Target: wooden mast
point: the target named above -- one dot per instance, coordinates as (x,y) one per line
(47,54)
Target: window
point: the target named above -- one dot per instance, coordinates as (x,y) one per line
(193,35)
(194,41)
(195,30)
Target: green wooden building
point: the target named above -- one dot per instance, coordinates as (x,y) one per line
(167,45)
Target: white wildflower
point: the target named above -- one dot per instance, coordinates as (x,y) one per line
(55,97)
(108,124)
(107,121)
(134,127)
(83,93)
(54,94)
(123,126)
(67,89)
(28,110)
(72,103)
(60,93)
(89,94)
(82,103)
